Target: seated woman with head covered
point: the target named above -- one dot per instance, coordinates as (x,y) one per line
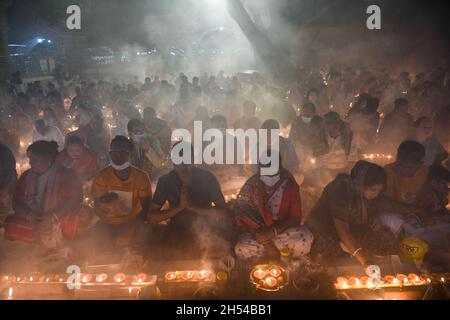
(345,219)
(268,214)
(47,200)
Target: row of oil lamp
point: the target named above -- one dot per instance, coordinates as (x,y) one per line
(85,278)
(104,278)
(190,276)
(376,156)
(412,279)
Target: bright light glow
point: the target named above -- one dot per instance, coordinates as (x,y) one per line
(40,40)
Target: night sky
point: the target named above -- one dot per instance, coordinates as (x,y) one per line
(113,21)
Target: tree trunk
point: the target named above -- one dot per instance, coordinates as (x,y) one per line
(5,62)
(275,59)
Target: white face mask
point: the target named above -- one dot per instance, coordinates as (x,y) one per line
(124,166)
(270,181)
(138,137)
(306,119)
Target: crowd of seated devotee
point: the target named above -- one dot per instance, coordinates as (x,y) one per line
(369,147)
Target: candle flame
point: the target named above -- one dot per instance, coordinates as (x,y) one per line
(10,292)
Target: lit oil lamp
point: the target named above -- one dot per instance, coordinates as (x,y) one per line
(187,275)
(101,277)
(401,278)
(364,280)
(353,281)
(413,278)
(85,278)
(425,277)
(141,277)
(120,277)
(340,281)
(276,272)
(390,280)
(271,282)
(170,276)
(203,274)
(259,273)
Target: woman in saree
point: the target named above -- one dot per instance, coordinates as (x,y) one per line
(345,218)
(268,216)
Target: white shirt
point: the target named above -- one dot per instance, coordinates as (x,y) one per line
(53,134)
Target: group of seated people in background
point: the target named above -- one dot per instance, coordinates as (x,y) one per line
(102,144)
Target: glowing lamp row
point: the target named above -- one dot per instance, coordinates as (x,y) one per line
(85,278)
(412,279)
(376,156)
(190,275)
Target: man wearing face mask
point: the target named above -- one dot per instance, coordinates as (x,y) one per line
(147,153)
(268,215)
(122,196)
(304,128)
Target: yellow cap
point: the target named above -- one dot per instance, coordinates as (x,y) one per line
(413,250)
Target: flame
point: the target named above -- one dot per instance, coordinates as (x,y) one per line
(202,274)
(86,278)
(275,272)
(101,277)
(141,277)
(171,276)
(120,277)
(271,282)
(259,273)
(10,292)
